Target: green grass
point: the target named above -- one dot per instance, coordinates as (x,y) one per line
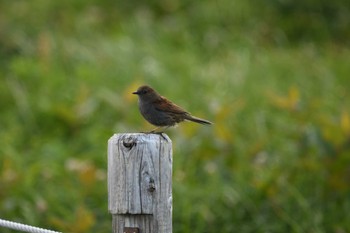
(275,160)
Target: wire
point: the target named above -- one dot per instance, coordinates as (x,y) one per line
(24,227)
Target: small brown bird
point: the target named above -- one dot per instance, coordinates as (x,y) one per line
(160,111)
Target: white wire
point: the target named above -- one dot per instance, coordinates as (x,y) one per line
(24,227)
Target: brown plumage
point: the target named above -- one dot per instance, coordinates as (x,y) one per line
(160,111)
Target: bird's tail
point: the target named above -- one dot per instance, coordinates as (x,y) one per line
(198,120)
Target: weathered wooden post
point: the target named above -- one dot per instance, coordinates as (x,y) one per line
(140,183)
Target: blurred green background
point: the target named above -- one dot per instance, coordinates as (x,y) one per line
(274,77)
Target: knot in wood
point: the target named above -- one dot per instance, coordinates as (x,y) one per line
(129,143)
(151,185)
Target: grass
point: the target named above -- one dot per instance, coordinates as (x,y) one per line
(276,159)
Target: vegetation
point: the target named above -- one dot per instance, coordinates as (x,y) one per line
(272,75)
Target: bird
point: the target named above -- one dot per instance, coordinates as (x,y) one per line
(161,112)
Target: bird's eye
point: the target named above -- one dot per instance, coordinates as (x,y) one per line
(143,92)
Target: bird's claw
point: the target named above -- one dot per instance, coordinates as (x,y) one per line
(154,132)
(161,134)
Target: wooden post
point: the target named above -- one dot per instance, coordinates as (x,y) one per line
(139,183)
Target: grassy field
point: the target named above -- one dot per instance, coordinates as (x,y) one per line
(276,86)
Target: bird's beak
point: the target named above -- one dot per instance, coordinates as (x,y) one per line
(135,92)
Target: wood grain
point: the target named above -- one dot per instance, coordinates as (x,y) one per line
(140,182)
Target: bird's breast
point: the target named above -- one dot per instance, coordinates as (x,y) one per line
(154,116)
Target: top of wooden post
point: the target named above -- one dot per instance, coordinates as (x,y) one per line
(136,163)
(141,137)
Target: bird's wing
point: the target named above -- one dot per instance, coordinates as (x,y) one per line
(164,105)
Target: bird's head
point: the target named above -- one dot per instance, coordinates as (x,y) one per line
(146,93)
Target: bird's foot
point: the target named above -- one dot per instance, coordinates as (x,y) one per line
(149,132)
(155,132)
(161,134)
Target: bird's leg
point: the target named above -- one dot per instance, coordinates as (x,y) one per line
(155,130)
(164,129)
(161,132)
(160,127)
(152,131)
